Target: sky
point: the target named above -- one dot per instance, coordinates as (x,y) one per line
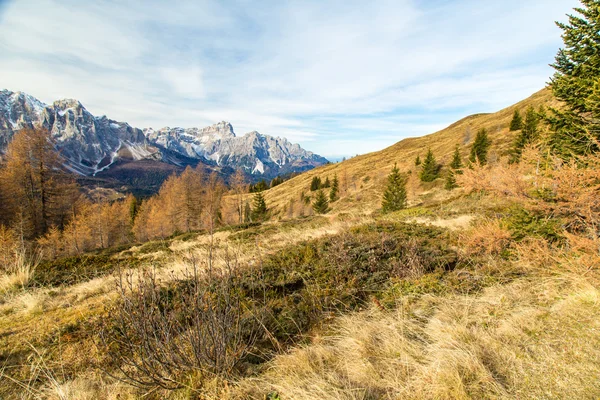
(339,77)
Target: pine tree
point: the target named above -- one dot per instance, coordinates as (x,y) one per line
(394,196)
(480,147)
(259,207)
(418,161)
(429,168)
(455,168)
(456,163)
(528,134)
(517,122)
(320,205)
(335,188)
(576,82)
(315,184)
(326,184)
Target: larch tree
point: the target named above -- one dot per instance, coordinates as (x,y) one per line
(394,196)
(238,184)
(40,191)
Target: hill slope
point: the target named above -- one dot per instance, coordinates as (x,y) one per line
(362,177)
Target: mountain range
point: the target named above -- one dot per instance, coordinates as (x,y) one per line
(99,148)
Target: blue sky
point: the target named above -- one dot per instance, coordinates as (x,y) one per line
(338,77)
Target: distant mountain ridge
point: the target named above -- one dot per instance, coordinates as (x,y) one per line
(92,146)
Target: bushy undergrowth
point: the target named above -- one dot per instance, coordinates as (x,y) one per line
(263,307)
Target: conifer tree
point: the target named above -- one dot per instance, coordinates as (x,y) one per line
(394,196)
(480,147)
(320,205)
(517,122)
(327,183)
(259,207)
(429,168)
(335,188)
(418,161)
(528,134)
(315,184)
(455,168)
(576,82)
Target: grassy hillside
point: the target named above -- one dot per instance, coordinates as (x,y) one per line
(362,177)
(487,291)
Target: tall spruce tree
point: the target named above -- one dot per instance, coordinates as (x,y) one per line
(335,188)
(480,147)
(517,122)
(259,207)
(576,82)
(394,196)
(429,168)
(320,205)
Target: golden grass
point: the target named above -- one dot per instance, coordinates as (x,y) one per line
(362,178)
(529,339)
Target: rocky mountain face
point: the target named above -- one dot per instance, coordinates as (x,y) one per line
(92,146)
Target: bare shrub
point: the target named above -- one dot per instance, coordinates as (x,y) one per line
(197,325)
(488,237)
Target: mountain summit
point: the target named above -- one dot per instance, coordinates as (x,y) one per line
(92,145)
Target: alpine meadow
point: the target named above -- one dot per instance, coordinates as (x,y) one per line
(197,263)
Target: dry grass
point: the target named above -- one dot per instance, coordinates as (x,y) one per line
(530,339)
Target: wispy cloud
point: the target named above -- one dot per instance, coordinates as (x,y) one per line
(340,77)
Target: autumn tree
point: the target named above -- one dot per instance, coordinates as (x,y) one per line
(40,192)
(394,196)
(238,184)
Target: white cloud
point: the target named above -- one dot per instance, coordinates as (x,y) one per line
(315,72)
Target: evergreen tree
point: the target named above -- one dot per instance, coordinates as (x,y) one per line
(259,186)
(480,147)
(576,82)
(335,188)
(394,196)
(455,168)
(418,161)
(259,207)
(327,184)
(315,184)
(456,163)
(320,205)
(429,168)
(517,122)
(528,134)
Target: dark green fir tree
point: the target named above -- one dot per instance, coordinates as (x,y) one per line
(335,189)
(259,207)
(320,205)
(480,147)
(430,168)
(517,122)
